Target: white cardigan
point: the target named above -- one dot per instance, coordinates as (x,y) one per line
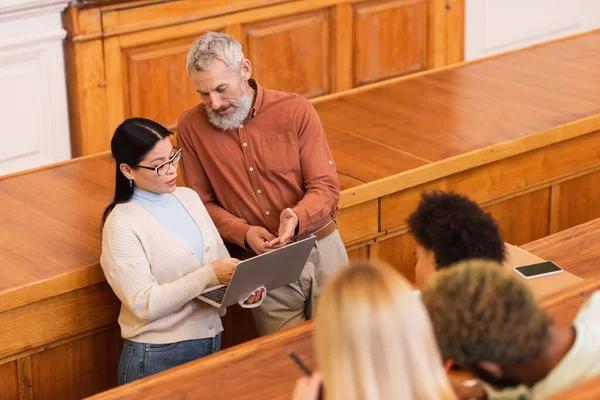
(156,275)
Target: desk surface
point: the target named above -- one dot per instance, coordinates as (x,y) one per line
(404,132)
(260,369)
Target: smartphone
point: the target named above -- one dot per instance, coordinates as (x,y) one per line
(538,270)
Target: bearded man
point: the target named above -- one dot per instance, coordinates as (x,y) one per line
(260,161)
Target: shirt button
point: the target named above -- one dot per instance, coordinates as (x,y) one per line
(207,249)
(241,126)
(251,169)
(259,191)
(245,144)
(210,327)
(267,212)
(330,162)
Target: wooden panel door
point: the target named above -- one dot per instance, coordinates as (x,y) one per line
(292,53)
(390,39)
(157,84)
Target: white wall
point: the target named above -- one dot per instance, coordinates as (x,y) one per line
(495,26)
(34,127)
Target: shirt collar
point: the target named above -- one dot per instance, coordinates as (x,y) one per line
(259,97)
(149,198)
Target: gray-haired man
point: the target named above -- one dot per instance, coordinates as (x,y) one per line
(260,161)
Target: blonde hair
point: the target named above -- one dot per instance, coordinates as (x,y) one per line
(374,340)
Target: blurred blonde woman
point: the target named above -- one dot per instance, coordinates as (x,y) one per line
(374,341)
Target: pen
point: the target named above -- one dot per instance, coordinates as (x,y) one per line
(300,363)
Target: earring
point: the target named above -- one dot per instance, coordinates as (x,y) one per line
(131,183)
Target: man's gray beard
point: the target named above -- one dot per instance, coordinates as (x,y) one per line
(233,121)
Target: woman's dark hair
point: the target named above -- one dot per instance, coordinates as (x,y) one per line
(455,229)
(132,140)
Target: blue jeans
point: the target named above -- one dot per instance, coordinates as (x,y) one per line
(139,360)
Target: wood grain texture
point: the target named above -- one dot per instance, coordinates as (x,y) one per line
(277,375)
(359,254)
(159,68)
(87,366)
(120,56)
(579,200)
(398,251)
(86,85)
(523,219)
(9,381)
(390,39)
(574,249)
(25,375)
(359,222)
(44,322)
(537,168)
(446,20)
(292,54)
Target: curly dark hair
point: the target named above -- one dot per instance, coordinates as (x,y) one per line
(455,229)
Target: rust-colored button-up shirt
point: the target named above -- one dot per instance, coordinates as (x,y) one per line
(278,158)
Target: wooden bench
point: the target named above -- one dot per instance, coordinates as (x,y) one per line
(262,369)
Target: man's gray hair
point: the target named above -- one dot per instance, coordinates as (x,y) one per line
(215,45)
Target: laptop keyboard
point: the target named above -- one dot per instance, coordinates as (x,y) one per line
(216,295)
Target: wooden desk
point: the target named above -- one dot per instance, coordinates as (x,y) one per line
(588,390)
(261,369)
(536,172)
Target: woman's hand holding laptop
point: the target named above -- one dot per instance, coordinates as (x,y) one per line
(224,268)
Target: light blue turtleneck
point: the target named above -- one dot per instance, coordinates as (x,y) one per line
(167,210)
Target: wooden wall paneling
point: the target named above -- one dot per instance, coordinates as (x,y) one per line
(343,54)
(116,82)
(9,381)
(524,218)
(38,324)
(86,83)
(446,32)
(359,253)
(541,167)
(390,39)
(235,30)
(157,85)
(397,250)
(291,53)
(87,366)
(554,208)
(359,222)
(579,200)
(25,378)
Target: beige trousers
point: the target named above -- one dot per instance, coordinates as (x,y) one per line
(295,303)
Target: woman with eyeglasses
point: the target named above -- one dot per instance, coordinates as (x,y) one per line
(160,251)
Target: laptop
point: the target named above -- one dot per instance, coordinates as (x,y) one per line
(270,270)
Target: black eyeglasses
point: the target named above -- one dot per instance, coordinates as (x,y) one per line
(164,167)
